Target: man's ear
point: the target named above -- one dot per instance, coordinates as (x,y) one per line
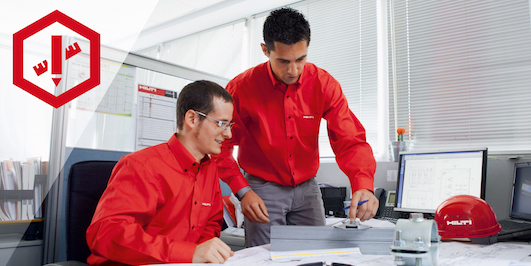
(264,49)
(190,119)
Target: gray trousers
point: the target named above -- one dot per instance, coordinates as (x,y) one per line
(298,205)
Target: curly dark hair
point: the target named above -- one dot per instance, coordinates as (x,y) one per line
(199,96)
(287,26)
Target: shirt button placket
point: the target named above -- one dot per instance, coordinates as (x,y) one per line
(195,207)
(290,124)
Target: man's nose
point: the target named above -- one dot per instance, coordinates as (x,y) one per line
(227,133)
(292,68)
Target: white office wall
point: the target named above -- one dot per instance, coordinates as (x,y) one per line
(218,51)
(25,121)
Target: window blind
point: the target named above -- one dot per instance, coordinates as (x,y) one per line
(344,43)
(460,74)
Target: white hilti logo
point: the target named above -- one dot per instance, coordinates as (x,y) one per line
(206,204)
(462,222)
(308,117)
(148,88)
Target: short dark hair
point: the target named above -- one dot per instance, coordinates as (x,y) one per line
(199,96)
(287,26)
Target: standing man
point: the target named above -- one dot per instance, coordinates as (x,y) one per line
(278,109)
(163,203)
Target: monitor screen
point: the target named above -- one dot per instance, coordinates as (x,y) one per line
(522,191)
(426,179)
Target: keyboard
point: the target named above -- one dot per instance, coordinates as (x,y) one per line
(509,225)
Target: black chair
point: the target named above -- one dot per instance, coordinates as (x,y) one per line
(86,182)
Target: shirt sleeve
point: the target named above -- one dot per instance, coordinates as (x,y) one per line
(229,170)
(130,202)
(354,155)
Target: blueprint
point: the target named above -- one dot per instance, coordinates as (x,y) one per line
(450,253)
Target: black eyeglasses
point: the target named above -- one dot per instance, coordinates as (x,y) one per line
(222,124)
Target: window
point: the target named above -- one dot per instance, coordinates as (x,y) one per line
(460,74)
(344,42)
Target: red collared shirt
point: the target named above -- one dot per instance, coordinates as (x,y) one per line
(158,206)
(277,129)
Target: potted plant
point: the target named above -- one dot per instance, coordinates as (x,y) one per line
(399,145)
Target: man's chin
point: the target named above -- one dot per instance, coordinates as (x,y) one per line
(290,81)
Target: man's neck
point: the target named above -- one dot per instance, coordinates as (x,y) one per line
(187,144)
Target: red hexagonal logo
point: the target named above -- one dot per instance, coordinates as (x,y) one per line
(18,56)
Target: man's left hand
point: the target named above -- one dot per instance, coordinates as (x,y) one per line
(366,210)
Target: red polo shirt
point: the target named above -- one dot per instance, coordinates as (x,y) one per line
(277,129)
(158,206)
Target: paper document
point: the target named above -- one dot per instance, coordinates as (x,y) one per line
(302,254)
(339,222)
(458,253)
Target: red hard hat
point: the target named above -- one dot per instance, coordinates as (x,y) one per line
(465,216)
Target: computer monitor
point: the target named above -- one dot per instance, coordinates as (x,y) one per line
(426,179)
(520,207)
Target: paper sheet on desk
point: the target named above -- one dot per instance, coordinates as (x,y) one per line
(451,253)
(371,222)
(260,256)
(458,253)
(378,223)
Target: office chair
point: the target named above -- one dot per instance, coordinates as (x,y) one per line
(86,182)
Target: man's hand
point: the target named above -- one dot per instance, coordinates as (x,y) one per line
(253,208)
(366,210)
(212,251)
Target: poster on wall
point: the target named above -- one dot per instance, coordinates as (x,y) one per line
(156,117)
(113,96)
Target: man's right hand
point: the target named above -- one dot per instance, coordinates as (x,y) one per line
(212,251)
(253,208)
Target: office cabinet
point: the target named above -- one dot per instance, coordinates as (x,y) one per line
(15,251)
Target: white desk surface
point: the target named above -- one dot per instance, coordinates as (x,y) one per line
(450,253)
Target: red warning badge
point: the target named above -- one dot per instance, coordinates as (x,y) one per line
(57,59)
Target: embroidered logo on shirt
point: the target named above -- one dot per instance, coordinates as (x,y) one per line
(308,117)
(206,204)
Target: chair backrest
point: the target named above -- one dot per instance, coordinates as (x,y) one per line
(86,182)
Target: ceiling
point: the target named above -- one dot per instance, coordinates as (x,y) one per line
(203,18)
(132,25)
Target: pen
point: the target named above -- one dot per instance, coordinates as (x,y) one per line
(359,203)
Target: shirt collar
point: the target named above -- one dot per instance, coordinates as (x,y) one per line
(281,85)
(183,156)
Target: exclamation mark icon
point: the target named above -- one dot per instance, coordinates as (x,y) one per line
(57,58)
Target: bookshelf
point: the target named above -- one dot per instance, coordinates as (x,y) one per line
(32,198)
(23,235)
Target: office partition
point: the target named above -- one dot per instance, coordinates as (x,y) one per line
(90,116)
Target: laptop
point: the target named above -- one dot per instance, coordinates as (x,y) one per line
(519,223)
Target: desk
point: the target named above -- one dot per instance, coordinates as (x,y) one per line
(451,253)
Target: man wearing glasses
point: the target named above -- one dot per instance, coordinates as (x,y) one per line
(278,109)
(163,203)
